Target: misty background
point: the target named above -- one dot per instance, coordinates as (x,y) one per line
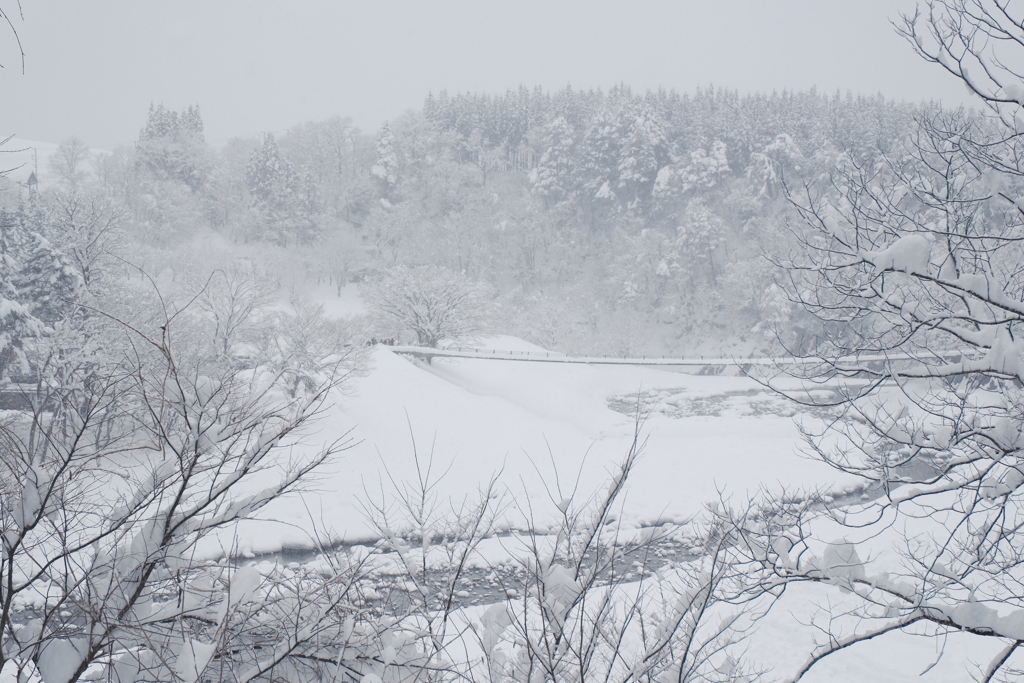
(263,66)
(608,179)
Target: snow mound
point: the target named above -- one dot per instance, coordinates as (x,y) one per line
(909,254)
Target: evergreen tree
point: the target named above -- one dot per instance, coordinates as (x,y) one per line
(192,122)
(161,123)
(276,192)
(705,168)
(46,281)
(554,173)
(597,173)
(16,320)
(385,167)
(272,180)
(769,166)
(698,237)
(642,153)
(172,147)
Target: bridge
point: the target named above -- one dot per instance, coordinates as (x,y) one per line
(555,357)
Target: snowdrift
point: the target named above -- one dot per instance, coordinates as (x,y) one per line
(548,429)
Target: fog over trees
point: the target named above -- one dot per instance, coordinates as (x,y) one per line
(618,222)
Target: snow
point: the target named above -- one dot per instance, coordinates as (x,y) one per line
(37,483)
(59,659)
(244,583)
(783,640)
(548,428)
(194,658)
(550,431)
(909,254)
(841,560)
(26,156)
(1006,354)
(1014,92)
(346,305)
(493,623)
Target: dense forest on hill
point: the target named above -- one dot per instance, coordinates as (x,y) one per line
(598,222)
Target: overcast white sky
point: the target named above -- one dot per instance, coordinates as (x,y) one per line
(92,68)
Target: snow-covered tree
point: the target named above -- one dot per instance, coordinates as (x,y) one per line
(88,228)
(642,154)
(552,178)
(697,238)
(272,180)
(343,254)
(913,265)
(103,512)
(597,172)
(16,319)
(47,281)
(768,166)
(230,306)
(303,344)
(277,194)
(172,146)
(68,162)
(432,302)
(385,165)
(705,168)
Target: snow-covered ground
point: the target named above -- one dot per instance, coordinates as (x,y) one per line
(21,157)
(784,639)
(345,305)
(544,427)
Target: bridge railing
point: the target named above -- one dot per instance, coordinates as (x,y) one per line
(554,357)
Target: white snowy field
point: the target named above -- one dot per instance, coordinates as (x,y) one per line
(22,157)
(543,427)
